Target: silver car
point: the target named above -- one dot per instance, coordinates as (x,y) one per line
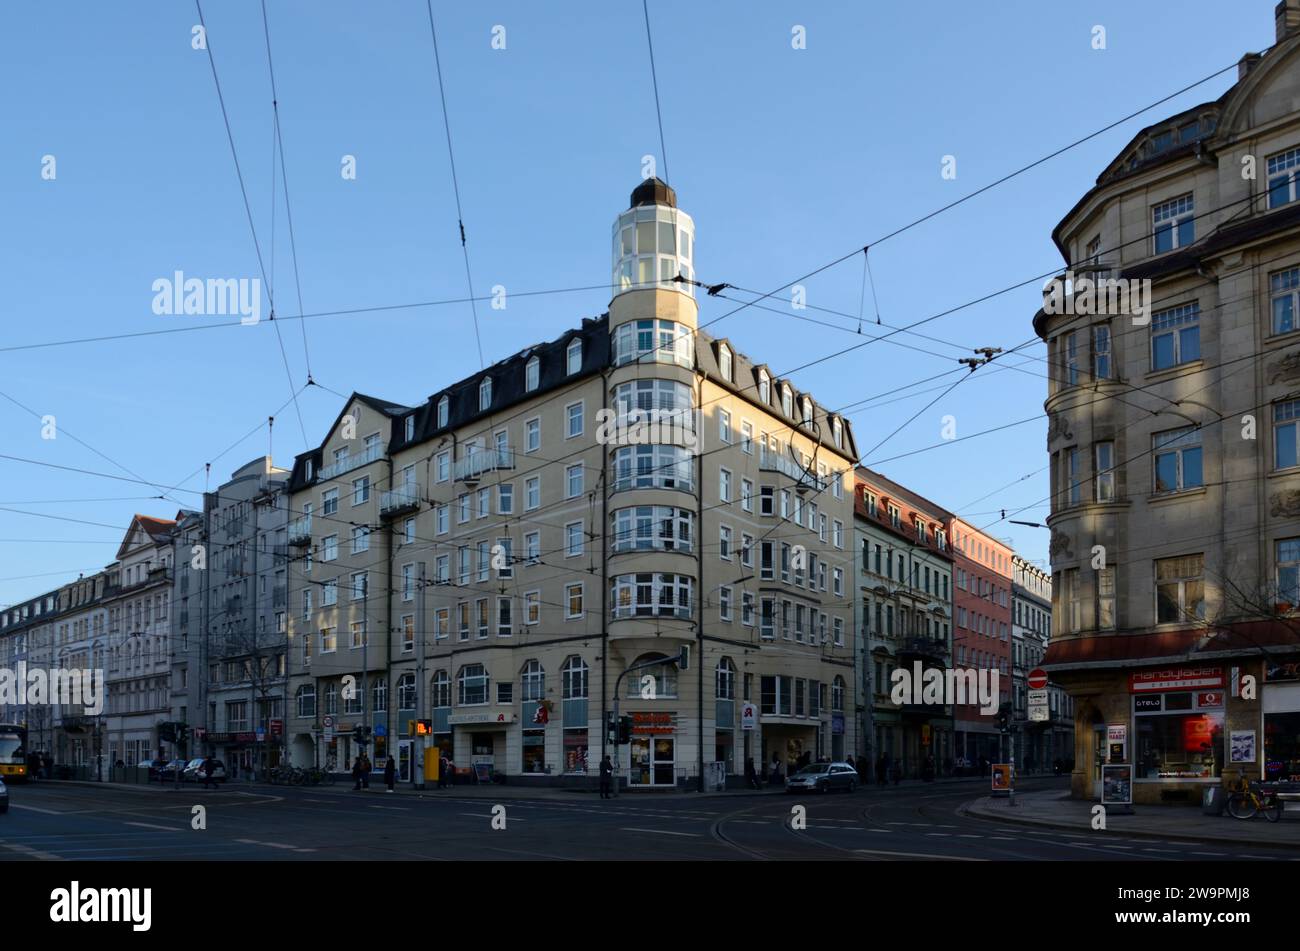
(823,777)
(4,797)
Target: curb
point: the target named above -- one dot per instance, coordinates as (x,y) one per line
(967,810)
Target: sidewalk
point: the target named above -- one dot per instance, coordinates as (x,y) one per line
(1056,810)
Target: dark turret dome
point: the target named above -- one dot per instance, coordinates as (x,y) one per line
(653,191)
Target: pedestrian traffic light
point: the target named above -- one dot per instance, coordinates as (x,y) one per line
(625,729)
(1004,717)
(419,727)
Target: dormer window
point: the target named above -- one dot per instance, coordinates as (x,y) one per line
(764,387)
(837,432)
(787,401)
(724,361)
(444,408)
(807,411)
(532,374)
(311,470)
(409,432)
(485,393)
(573,357)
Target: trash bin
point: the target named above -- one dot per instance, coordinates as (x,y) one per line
(1213,801)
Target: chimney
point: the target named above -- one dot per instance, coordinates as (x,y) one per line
(1286,17)
(1247,63)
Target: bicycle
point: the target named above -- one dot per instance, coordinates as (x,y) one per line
(1249,798)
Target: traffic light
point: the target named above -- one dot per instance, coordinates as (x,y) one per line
(361,735)
(167,732)
(625,729)
(419,727)
(183,732)
(1004,717)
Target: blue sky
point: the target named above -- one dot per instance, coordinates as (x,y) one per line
(787,159)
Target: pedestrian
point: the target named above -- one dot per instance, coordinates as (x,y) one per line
(606,777)
(775,775)
(356,774)
(366,768)
(390,773)
(751,778)
(208,769)
(444,771)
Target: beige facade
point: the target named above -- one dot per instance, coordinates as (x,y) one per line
(604,500)
(1176,489)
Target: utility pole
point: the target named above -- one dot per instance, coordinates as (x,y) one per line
(417,769)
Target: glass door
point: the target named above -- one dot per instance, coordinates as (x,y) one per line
(1098,757)
(641,774)
(664,774)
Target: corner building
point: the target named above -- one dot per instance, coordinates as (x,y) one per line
(588,505)
(1175,511)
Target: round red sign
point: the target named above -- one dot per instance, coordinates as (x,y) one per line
(1037,679)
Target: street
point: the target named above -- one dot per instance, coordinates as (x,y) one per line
(52,822)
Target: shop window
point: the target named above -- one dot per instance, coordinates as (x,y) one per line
(1178,738)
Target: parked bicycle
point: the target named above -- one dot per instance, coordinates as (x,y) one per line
(1250,798)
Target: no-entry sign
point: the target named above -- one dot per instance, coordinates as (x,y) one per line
(1037,679)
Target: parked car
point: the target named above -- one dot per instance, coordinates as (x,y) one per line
(193,774)
(167,773)
(823,777)
(155,767)
(4,797)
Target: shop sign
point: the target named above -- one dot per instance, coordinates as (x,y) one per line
(1278,671)
(502,718)
(1117,742)
(837,724)
(277,728)
(748,716)
(1210,698)
(1148,704)
(1176,678)
(652,724)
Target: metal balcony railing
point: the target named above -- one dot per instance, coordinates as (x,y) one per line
(474,465)
(350,462)
(779,462)
(300,531)
(402,498)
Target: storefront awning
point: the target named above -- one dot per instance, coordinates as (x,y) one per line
(1122,649)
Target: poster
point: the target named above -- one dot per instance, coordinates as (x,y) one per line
(1004,777)
(1242,746)
(1117,784)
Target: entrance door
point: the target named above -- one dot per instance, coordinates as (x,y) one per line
(1098,757)
(664,772)
(404,760)
(652,761)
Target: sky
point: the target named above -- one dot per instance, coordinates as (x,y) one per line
(786,158)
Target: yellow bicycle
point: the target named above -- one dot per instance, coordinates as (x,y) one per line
(1248,798)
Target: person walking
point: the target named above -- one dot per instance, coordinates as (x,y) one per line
(356,774)
(390,773)
(208,769)
(606,777)
(751,778)
(366,767)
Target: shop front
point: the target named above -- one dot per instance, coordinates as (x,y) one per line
(485,738)
(652,750)
(788,745)
(1281,702)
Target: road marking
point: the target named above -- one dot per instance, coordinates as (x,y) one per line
(966,835)
(325,801)
(274,845)
(693,835)
(150,825)
(1117,846)
(395,808)
(941,834)
(1001,838)
(35,853)
(1170,851)
(48,812)
(922,855)
(486,815)
(1215,854)
(545,855)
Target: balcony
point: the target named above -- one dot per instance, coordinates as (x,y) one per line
(924,647)
(350,462)
(300,531)
(474,465)
(394,502)
(780,462)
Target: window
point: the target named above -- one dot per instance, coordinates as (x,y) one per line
(1288,571)
(724,426)
(573,481)
(444,406)
(724,361)
(573,539)
(724,542)
(408,582)
(766,560)
(654,341)
(837,432)
(653,467)
(787,401)
(766,500)
(306,700)
(1106,598)
(1177,459)
(724,485)
(532,493)
(764,388)
(532,374)
(1284,287)
(1070,358)
(484,560)
(747,438)
(329,548)
(481,617)
(837,694)
(485,393)
(361,490)
(747,550)
(1104,467)
(532,435)
(1180,589)
(329,593)
(1175,336)
(746,495)
(441,622)
(505,616)
(573,357)
(506,498)
(767,618)
(652,595)
(329,502)
(1286,426)
(1173,224)
(650,527)
(358,629)
(328,640)
(573,607)
(408,531)
(1071,603)
(838,627)
(505,549)
(1281,177)
(807,408)
(1101,357)
(573,416)
(443,466)
(472,685)
(360,539)
(532,548)
(1073,488)
(724,680)
(837,582)
(358,585)
(724,603)
(747,608)
(440,689)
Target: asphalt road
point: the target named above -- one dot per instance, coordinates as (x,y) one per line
(51,822)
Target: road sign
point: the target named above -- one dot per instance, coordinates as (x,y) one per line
(1037,679)
(327,721)
(1037,697)
(748,716)
(261,736)
(1039,714)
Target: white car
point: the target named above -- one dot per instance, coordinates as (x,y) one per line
(4,797)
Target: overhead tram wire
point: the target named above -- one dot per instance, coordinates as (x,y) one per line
(654,79)
(248,211)
(455,183)
(288,207)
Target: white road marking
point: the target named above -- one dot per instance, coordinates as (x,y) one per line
(922,855)
(487,815)
(274,845)
(35,853)
(48,812)
(150,825)
(1215,854)
(693,835)
(395,808)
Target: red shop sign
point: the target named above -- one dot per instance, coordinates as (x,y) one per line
(1176,678)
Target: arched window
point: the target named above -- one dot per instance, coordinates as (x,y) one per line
(440,689)
(485,393)
(406,692)
(532,682)
(726,679)
(573,356)
(471,685)
(306,698)
(444,409)
(573,677)
(532,374)
(663,684)
(837,694)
